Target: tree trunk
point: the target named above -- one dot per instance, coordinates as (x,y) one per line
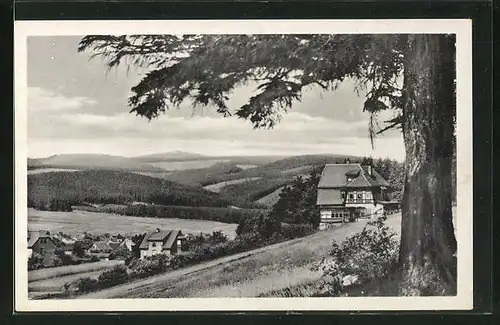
(428,243)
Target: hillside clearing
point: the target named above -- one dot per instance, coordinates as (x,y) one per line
(270,199)
(186,164)
(76,222)
(217,187)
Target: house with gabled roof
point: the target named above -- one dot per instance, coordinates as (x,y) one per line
(161,242)
(350,191)
(41,242)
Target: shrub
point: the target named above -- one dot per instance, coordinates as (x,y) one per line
(262,223)
(218,237)
(94,258)
(85,285)
(292,231)
(112,277)
(35,261)
(150,265)
(365,256)
(121,253)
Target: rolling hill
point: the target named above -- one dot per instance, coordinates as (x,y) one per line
(91,161)
(114,187)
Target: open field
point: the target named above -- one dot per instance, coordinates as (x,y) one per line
(50,170)
(77,222)
(56,284)
(218,186)
(61,271)
(186,164)
(270,199)
(245,274)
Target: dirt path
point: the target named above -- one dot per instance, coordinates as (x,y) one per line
(242,275)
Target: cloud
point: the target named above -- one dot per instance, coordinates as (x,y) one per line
(43,100)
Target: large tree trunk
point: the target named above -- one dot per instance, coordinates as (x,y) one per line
(428,243)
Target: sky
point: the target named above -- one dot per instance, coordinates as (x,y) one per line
(76,106)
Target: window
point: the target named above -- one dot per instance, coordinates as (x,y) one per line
(42,251)
(325,214)
(153,244)
(342,195)
(360,196)
(351,196)
(43,240)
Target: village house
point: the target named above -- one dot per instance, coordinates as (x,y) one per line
(350,191)
(41,242)
(100,249)
(161,242)
(127,243)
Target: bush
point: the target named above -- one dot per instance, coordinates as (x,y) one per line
(112,277)
(35,261)
(85,285)
(149,266)
(262,224)
(292,231)
(94,258)
(121,253)
(365,256)
(218,237)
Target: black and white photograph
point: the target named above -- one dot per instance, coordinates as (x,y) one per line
(301,165)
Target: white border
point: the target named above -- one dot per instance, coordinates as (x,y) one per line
(461,27)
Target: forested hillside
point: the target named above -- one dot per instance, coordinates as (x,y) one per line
(51,190)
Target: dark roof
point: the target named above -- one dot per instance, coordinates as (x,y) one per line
(33,236)
(167,237)
(113,244)
(329,197)
(335,176)
(101,246)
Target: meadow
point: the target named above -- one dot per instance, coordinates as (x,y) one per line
(77,222)
(62,271)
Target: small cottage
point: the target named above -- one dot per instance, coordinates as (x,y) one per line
(161,242)
(41,242)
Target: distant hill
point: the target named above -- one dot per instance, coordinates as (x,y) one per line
(113,187)
(284,168)
(169,156)
(91,161)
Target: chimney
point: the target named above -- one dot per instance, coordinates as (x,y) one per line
(370,170)
(157,229)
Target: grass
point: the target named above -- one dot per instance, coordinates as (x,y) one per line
(77,222)
(54,272)
(246,274)
(217,187)
(56,284)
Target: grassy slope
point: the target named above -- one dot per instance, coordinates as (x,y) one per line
(54,272)
(241,275)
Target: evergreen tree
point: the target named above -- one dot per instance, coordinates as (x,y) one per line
(205,69)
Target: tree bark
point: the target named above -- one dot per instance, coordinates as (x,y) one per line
(428,244)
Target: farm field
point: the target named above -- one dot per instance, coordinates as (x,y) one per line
(270,199)
(245,274)
(61,271)
(77,222)
(50,170)
(218,186)
(56,284)
(186,164)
